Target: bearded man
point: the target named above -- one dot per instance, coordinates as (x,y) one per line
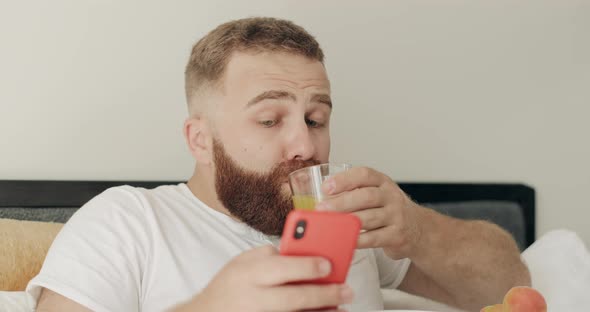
(259,108)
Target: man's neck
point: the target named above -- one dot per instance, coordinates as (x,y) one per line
(202,185)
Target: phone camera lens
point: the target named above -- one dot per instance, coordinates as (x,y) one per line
(300,229)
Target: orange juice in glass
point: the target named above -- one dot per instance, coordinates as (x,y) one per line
(306,184)
(304,202)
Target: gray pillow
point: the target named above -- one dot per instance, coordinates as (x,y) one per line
(60,215)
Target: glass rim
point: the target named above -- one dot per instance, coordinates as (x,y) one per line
(323,165)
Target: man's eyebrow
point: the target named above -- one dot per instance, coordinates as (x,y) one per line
(272,95)
(322,98)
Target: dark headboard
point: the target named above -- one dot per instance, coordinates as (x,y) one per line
(47,194)
(38,193)
(520,194)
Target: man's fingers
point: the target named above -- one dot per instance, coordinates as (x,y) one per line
(373,239)
(373,218)
(350,201)
(278,270)
(307,297)
(354,178)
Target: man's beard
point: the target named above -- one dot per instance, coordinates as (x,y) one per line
(255,198)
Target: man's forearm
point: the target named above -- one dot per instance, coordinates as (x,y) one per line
(475,262)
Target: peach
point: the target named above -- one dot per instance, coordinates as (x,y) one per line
(524,299)
(520,299)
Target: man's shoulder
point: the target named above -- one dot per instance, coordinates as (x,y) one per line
(133,195)
(124,211)
(129,201)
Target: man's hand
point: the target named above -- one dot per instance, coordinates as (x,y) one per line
(256,281)
(468,264)
(385,211)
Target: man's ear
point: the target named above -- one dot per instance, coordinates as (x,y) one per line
(198,137)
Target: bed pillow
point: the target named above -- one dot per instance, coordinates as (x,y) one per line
(23,246)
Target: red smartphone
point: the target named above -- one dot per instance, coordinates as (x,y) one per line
(331,235)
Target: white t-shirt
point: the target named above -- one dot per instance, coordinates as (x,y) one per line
(132,249)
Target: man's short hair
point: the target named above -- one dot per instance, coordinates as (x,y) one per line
(210,55)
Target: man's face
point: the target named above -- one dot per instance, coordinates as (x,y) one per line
(273,118)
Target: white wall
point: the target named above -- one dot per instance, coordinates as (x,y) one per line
(493,91)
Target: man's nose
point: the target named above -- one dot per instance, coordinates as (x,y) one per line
(300,145)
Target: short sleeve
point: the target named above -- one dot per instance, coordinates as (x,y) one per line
(391,272)
(97,258)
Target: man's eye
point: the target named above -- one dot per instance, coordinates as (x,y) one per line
(313,124)
(268,123)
